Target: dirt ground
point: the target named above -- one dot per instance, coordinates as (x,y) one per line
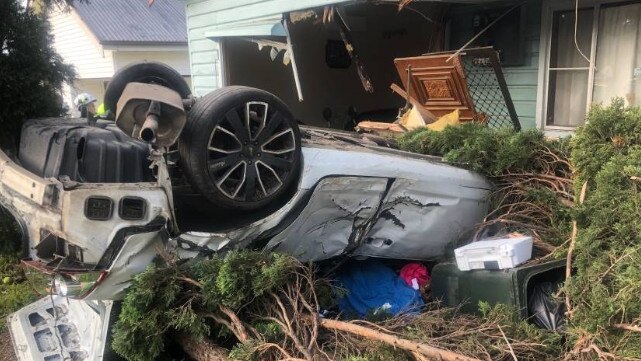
(6,349)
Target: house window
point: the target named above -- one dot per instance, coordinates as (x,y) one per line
(606,64)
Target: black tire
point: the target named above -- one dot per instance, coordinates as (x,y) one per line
(146,72)
(240,148)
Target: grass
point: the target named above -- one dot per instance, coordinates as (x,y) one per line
(18,286)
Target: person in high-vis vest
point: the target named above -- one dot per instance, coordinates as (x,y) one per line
(101,112)
(86,105)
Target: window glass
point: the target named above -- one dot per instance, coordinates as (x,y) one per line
(564,53)
(618,54)
(567,101)
(569,70)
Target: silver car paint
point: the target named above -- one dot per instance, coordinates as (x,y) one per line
(58,208)
(137,253)
(393,193)
(415,183)
(56,329)
(363,201)
(333,220)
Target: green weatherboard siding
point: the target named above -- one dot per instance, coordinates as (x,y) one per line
(521,80)
(205,16)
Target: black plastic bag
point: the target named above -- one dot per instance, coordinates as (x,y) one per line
(544,309)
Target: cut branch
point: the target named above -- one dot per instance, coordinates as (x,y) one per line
(201,350)
(416,347)
(628,327)
(568,262)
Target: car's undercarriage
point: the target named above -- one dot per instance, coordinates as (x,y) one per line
(99,200)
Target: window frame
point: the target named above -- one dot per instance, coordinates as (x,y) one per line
(545,48)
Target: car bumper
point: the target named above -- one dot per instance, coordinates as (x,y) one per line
(56,329)
(55,215)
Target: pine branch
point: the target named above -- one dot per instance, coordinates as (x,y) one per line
(421,348)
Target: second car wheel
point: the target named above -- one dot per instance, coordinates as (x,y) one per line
(240,148)
(144,72)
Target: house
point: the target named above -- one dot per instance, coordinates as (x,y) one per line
(99,37)
(557,58)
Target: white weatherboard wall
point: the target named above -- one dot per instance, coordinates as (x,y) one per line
(96,64)
(77,46)
(205,16)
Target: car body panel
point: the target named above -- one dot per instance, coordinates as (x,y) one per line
(76,227)
(381,217)
(417,181)
(136,254)
(421,219)
(353,198)
(394,199)
(337,215)
(56,328)
(346,153)
(48,207)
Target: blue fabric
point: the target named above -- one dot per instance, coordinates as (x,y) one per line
(370,286)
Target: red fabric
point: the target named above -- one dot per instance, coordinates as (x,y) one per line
(415,270)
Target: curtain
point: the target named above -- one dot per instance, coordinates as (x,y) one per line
(618,57)
(569,87)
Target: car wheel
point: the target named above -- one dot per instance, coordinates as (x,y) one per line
(240,148)
(147,72)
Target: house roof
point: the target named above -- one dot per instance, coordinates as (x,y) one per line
(129,22)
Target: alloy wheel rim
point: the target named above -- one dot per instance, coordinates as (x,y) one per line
(251,152)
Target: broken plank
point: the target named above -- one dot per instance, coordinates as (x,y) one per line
(351,50)
(428,116)
(380,128)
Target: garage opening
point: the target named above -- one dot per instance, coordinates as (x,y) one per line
(332,91)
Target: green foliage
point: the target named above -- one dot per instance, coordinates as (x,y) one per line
(516,329)
(270,331)
(489,151)
(474,336)
(607,279)
(245,352)
(160,301)
(231,282)
(531,173)
(31,72)
(610,131)
(559,223)
(17,286)
(152,308)
(381,352)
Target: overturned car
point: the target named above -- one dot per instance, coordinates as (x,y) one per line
(99,200)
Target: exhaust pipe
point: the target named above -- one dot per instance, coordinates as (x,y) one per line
(151,113)
(150,126)
(149,129)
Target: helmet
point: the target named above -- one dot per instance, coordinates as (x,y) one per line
(83,99)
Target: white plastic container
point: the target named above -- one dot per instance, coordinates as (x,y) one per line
(498,253)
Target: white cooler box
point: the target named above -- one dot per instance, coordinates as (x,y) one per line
(500,253)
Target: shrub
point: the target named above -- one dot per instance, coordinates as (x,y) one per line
(606,283)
